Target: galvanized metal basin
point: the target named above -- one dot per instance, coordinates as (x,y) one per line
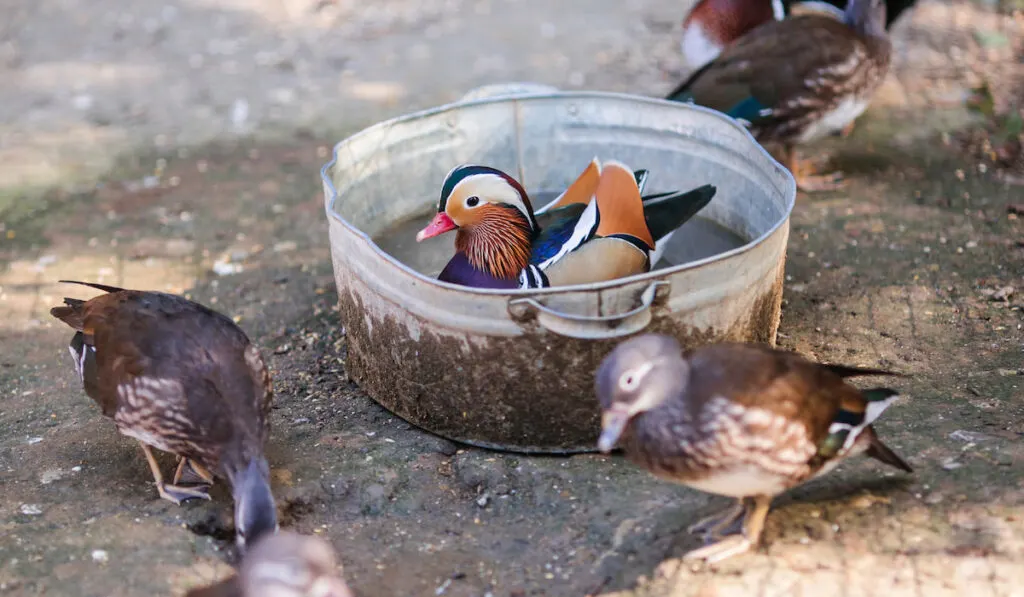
(513,370)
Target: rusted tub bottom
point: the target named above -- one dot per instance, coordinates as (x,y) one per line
(563,417)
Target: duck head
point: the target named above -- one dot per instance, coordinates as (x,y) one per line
(291,565)
(255,512)
(492,216)
(637,376)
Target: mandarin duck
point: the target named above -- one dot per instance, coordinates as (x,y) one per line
(798,80)
(712,25)
(284,564)
(177,376)
(744,421)
(600,228)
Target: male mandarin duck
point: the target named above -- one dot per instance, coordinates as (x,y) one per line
(744,421)
(598,229)
(798,80)
(284,564)
(184,379)
(712,25)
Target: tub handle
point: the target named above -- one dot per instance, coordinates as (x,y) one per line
(591,326)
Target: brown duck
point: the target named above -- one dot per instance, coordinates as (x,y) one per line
(184,379)
(285,564)
(739,420)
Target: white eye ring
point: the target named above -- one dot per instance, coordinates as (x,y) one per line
(630,380)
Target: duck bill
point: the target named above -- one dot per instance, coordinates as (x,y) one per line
(439,225)
(613,423)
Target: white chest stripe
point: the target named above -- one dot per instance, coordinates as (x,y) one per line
(584,228)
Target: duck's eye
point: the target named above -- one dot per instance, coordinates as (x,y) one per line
(629,381)
(473,201)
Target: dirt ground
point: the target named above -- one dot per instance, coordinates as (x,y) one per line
(177,146)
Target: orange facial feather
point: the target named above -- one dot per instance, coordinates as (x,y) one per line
(498,241)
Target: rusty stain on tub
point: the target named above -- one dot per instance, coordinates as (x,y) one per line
(522,401)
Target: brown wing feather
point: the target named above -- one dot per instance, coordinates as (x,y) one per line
(582,189)
(783,383)
(784,65)
(201,380)
(72,314)
(619,205)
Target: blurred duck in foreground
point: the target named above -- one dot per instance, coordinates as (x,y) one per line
(598,229)
(744,421)
(798,80)
(285,564)
(184,379)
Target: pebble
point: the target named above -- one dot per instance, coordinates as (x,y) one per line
(968,436)
(31,509)
(223,268)
(50,475)
(239,113)
(82,102)
(100,556)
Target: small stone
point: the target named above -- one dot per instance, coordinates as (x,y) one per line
(223,268)
(483,500)
(962,435)
(239,113)
(82,102)
(31,509)
(1003,294)
(50,475)
(100,556)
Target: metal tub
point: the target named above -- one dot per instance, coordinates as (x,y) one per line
(513,370)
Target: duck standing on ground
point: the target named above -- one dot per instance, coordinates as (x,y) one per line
(184,379)
(712,25)
(798,80)
(744,421)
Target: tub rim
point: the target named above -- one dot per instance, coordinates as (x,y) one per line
(789,193)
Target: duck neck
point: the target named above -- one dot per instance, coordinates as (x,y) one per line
(499,243)
(255,512)
(866,17)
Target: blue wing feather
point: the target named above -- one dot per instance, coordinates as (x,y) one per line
(559,229)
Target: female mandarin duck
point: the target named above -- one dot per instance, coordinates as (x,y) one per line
(184,379)
(798,80)
(284,564)
(712,25)
(600,228)
(739,420)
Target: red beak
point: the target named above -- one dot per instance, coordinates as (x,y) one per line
(439,225)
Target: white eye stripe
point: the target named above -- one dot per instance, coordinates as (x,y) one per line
(631,379)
